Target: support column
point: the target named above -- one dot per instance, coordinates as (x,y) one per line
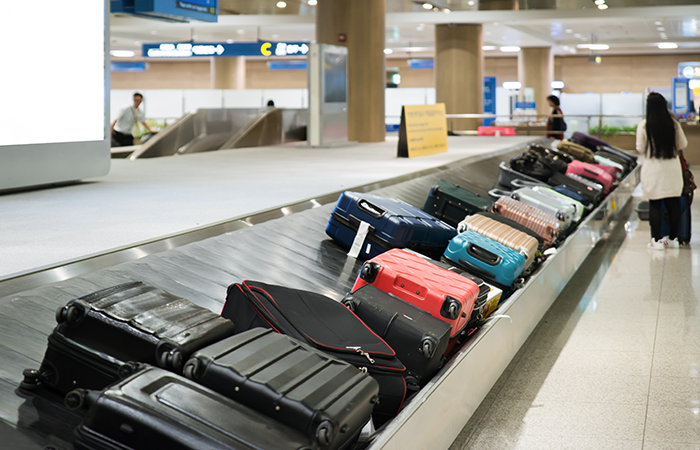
(228,73)
(362,24)
(459,72)
(536,70)
(497,5)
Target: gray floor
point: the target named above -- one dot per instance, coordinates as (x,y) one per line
(614,364)
(146,199)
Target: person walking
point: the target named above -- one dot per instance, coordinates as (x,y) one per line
(659,138)
(555,125)
(128,118)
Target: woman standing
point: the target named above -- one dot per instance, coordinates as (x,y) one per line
(555,125)
(659,138)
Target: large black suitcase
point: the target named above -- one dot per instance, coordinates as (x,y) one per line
(100,333)
(592,191)
(326,325)
(451,203)
(506,176)
(324,398)
(419,339)
(155,409)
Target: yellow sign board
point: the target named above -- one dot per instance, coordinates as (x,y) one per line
(423,130)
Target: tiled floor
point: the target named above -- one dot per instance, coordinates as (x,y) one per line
(614,364)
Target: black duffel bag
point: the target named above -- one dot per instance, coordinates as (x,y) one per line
(538,166)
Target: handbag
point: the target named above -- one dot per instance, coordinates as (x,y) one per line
(689,185)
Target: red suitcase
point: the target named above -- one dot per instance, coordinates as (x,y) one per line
(444,294)
(592,172)
(613,171)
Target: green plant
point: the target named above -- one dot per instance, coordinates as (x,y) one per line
(608,130)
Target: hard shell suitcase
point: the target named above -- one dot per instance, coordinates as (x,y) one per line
(577,151)
(591,172)
(616,157)
(156,409)
(326,325)
(563,211)
(684,225)
(450,203)
(590,189)
(615,172)
(506,176)
(444,294)
(486,258)
(538,221)
(393,223)
(573,194)
(586,140)
(325,399)
(506,235)
(511,223)
(100,333)
(556,196)
(419,339)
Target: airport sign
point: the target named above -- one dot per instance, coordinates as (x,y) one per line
(223,49)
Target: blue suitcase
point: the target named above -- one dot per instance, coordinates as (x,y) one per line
(393,223)
(564,190)
(486,258)
(685,224)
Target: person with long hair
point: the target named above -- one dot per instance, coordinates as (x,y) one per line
(555,125)
(659,138)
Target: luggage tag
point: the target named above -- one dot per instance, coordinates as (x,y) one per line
(362,232)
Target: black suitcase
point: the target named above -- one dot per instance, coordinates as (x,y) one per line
(419,339)
(99,334)
(590,190)
(539,166)
(451,203)
(506,176)
(324,398)
(326,325)
(155,409)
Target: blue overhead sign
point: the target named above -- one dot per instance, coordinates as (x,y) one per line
(222,49)
(421,63)
(489,99)
(169,10)
(128,66)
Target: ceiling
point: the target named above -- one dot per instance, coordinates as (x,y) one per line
(410,28)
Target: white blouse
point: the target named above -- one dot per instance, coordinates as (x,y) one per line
(661,178)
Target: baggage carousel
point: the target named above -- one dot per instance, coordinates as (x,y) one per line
(286,246)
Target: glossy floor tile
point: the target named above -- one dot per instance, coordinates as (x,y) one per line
(615,362)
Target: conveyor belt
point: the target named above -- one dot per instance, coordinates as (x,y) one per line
(291,250)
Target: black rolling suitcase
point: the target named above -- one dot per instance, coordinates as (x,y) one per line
(451,203)
(326,325)
(100,333)
(592,191)
(325,399)
(155,409)
(419,339)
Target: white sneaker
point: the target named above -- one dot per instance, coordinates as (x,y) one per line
(656,245)
(670,243)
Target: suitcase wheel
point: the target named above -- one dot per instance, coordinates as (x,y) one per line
(350,304)
(128,369)
(191,369)
(323,433)
(170,358)
(519,282)
(369,271)
(70,314)
(429,346)
(32,379)
(451,308)
(434,191)
(75,399)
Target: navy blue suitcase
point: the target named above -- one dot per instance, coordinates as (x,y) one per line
(487,259)
(393,223)
(565,190)
(685,223)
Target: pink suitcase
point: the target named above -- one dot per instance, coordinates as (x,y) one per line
(592,172)
(613,171)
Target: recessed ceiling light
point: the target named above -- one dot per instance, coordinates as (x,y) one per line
(557,85)
(599,2)
(229,41)
(511,85)
(488,47)
(594,46)
(388,51)
(569,30)
(313,2)
(470,3)
(668,45)
(240,31)
(510,49)
(281,4)
(122,53)
(427,6)
(658,22)
(603,6)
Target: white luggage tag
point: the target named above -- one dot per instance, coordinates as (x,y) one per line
(362,232)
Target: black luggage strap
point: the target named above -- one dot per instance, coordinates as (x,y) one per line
(353,223)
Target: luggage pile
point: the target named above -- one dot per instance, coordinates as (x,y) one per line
(284,368)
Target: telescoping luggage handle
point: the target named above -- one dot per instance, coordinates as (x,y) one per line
(371,209)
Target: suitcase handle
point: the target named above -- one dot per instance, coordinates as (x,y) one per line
(371,209)
(481,272)
(483,255)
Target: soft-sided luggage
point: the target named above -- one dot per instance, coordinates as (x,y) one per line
(506,235)
(544,150)
(288,381)
(577,151)
(155,409)
(507,175)
(450,203)
(538,221)
(563,211)
(511,223)
(326,325)
(100,333)
(393,223)
(444,294)
(538,166)
(486,258)
(592,172)
(419,339)
(588,141)
(603,161)
(630,159)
